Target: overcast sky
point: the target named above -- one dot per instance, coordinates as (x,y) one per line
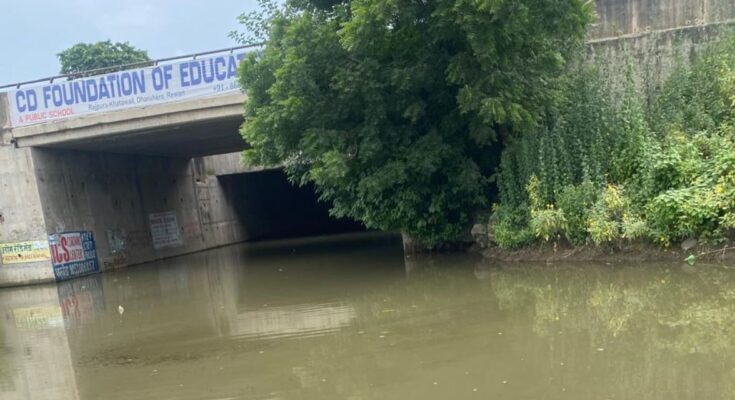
(32,32)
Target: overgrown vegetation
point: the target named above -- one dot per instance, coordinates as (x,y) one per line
(398,112)
(393,108)
(603,168)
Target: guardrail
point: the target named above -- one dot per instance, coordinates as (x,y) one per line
(114,68)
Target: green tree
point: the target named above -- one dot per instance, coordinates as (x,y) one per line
(87,56)
(395,108)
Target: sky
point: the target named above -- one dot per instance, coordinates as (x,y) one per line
(32,32)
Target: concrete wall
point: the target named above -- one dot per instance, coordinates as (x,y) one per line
(656,35)
(113,196)
(21,215)
(47,191)
(634,17)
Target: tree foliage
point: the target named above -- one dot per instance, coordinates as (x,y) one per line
(88,56)
(395,108)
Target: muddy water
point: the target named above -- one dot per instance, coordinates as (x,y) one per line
(348,318)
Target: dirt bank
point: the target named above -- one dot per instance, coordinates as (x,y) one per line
(630,252)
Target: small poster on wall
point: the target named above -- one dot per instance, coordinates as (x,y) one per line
(165,230)
(73,254)
(24,252)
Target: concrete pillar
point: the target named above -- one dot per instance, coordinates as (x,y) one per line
(21,216)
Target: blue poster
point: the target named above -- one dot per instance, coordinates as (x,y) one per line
(73,254)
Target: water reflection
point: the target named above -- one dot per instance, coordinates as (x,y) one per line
(35,358)
(655,332)
(349,318)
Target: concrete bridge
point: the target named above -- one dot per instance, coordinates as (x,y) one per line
(104,171)
(104,190)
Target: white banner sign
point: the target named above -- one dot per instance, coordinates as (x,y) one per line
(125,89)
(165,230)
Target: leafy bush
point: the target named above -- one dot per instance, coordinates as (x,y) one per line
(667,171)
(511,230)
(546,221)
(697,98)
(702,204)
(576,202)
(573,144)
(612,217)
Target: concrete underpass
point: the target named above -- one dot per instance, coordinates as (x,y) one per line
(149,183)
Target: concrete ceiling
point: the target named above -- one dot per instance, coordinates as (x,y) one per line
(190,140)
(193,128)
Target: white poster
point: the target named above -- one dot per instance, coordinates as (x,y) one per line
(132,88)
(165,230)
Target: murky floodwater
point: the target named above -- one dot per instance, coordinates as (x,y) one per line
(347,318)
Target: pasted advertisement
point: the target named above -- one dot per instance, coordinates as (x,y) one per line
(73,254)
(23,252)
(165,230)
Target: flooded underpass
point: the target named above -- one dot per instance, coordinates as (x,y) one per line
(347,317)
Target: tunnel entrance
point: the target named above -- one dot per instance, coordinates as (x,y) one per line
(272,208)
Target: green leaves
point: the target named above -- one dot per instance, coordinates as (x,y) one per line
(393,108)
(87,56)
(676,158)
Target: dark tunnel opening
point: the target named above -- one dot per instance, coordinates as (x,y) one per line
(270,207)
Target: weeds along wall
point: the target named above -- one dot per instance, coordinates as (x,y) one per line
(639,141)
(656,35)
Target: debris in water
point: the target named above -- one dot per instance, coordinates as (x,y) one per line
(600,349)
(474,389)
(120,309)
